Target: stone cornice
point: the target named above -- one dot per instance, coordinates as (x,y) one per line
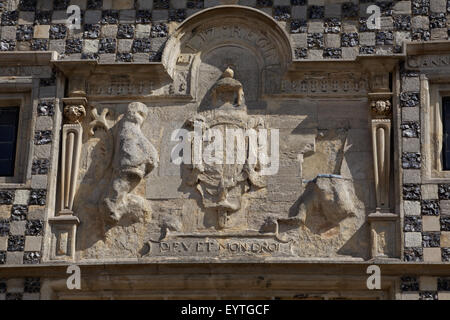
(152,70)
(27,58)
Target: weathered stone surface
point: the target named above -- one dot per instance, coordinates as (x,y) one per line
(134,158)
(317,199)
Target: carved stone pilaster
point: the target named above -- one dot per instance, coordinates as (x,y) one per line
(381,113)
(72,132)
(64,224)
(382,222)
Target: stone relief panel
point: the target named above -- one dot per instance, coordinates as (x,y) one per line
(315,205)
(135,201)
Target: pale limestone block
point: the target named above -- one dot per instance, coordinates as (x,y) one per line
(36,213)
(401,36)
(429,191)
(367,38)
(411,144)
(14,258)
(411,176)
(315,54)
(445,207)
(42,151)
(21,197)
(107,58)
(350,26)
(402,7)
(438,5)
(5,212)
(439,34)
(445,239)
(109,31)
(41,31)
(332,40)
(413,239)
(432,254)
(90,46)
(410,114)
(410,84)
(44,123)
(420,22)
(142,31)
(299,40)
(23,46)
(9,32)
(427,283)
(57,45)
(33,243)
(410,296)
(386,23)
(316,2)
(443,295)
(349,53)
(17,228)
(124,45)
(431,223)
(141,57)
(3,243)
(176,4)
(39,181)
(315,26)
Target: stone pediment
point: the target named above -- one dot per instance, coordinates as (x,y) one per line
(240,37)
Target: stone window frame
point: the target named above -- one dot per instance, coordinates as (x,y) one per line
(432,91)
(19,93)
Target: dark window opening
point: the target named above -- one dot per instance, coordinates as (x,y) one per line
(9,121)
